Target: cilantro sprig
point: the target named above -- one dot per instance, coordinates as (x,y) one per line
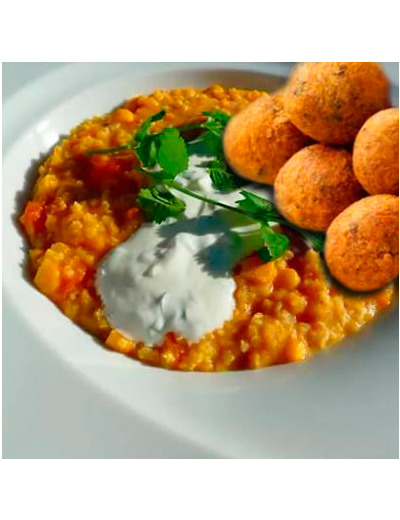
(274,244)
(222,178)
(165,155)
(159,204)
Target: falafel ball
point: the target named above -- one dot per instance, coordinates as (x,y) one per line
(362,243)
(330,101)
(260,139)
(376,153)
(315,185)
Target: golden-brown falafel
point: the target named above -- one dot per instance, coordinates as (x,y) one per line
(376,153)
(362,243)
(315,185)
(330,101)
(260,139)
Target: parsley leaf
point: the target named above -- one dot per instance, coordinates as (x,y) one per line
(213,143)
(218,117)
(147,149)
(161,177)
(146,145)
(212,128)
(158,203)
(275,244)
(265,211)
(143,130)
(215,126)
(259,208)
(222,179)
(169,152)
(172,154)
(143,143)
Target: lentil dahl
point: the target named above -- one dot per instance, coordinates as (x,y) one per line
(81,207)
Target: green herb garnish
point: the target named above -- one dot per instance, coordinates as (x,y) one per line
(144,129)
(172,155)
(223,179)
(261,209)
(275,244)
(158,204)
(214,129)
(265,211)
(163,156)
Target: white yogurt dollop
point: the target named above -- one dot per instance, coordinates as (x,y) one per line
(177,276)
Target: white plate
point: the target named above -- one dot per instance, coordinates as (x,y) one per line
(79,400)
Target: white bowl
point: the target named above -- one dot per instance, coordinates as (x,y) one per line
(66,396)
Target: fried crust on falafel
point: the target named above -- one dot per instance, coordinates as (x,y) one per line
(376,153)
(260,139)
(315,185)
(330,101)
(362,243)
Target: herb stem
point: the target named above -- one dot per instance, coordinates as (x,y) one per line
(169,152)
(195,195)
(105,151)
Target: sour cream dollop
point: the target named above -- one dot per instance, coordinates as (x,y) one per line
(177,276)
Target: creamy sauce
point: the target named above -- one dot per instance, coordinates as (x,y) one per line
(177,276)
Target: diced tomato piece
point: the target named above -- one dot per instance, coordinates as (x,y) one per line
(132,213)
(69,283)
(34,217)
(104,171)
(176,345)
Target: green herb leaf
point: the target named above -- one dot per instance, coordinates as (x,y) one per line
(215,126)
(213,143)
(158,204)
(172,154)
(143,130)
(259,208)
(162,177)
(168,151)
(275,244)
(141,142)
(265,211)
(218,116)
(147,150)
(222,179)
